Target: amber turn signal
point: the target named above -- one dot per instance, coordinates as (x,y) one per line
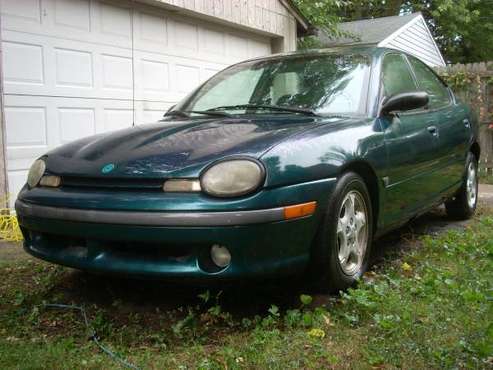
(181,185)
(50,181)
(300,210)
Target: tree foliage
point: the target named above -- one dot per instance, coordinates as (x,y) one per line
(463,29)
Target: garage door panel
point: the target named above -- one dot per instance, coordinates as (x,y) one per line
(152,115)
(185,36)
(155,77)
(88,71)
(149,111)
(152,31)
(16,181)
(23,63)
(76,123)
(74,68)
(26,126)
(212,41)
(116,21)
(73,14)
(117,73)
(60,67)
(117,119)
(29,10)
(159,77)
(257,48)
(163,32)
(187,77)
(237,47)
(20,159)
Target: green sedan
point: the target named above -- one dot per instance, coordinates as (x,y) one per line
(275,166)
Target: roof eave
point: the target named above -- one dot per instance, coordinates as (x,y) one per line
(304,27)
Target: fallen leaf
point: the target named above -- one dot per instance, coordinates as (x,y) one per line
(316,333)
(406,267)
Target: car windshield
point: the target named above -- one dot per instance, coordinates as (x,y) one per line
(318,84)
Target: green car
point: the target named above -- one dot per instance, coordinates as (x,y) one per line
(274,166)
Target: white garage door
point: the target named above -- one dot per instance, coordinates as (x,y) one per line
(67,67)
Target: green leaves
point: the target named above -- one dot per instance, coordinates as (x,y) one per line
(305,299)
(463,29)
(274,310)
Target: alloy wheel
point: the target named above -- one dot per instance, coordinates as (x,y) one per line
(352,232)
(471,185)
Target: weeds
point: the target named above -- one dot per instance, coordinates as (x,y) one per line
(429,308)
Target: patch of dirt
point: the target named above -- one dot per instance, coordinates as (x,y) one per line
(12,251)
(486,194)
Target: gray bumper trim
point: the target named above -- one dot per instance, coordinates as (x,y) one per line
(151,218)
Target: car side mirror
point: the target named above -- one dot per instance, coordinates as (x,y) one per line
(405,102)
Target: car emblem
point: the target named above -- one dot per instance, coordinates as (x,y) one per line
(107,168)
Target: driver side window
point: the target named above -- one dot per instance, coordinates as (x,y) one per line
(429,82)
(396,76)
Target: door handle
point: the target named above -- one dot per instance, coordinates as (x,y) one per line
(433,130)
(467,124)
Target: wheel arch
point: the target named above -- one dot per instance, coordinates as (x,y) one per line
(475,149)
(369,176)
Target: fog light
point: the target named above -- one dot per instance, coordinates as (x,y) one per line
(220,255)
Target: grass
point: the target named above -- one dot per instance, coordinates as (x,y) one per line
(427,307)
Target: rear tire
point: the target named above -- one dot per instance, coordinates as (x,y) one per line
(463,205)
(343,243)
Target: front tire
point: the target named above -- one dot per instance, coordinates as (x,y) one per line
(463,205)
(342,246)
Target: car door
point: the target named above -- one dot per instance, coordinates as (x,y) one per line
(453,127)
(411,143)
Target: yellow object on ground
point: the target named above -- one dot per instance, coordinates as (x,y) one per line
(9,227)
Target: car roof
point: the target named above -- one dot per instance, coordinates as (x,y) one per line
(372,51)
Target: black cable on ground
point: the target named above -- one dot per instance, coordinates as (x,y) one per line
(93,335)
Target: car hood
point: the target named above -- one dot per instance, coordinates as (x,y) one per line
(174,148)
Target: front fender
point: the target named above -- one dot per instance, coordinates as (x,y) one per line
(323,152)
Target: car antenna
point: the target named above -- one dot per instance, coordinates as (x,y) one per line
(133,61)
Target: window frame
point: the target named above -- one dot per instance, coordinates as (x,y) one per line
(425,109)
(451,97)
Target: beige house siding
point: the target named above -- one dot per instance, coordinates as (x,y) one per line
(268,17)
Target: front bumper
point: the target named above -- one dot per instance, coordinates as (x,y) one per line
(173,244)
(236,218)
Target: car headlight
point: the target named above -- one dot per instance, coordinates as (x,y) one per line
(232,178)
(35,173)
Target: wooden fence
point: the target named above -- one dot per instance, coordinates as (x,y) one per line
(485,166)
(473,83)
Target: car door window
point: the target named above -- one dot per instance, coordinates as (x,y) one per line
(396,75)
(429,82)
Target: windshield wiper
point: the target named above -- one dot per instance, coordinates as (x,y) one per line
(307,112)
(177,113)
(209,113)
(186,113)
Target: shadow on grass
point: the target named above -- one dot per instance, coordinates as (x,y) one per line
(124,295)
